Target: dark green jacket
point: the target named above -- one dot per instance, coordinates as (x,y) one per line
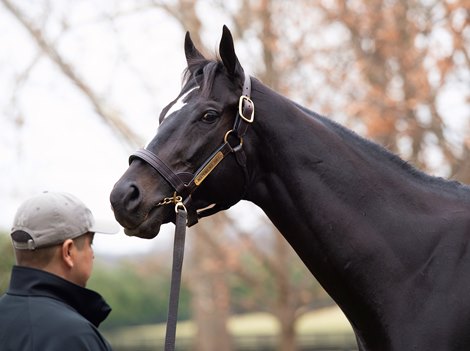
(43,312)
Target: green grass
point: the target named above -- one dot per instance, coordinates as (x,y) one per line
(325,321)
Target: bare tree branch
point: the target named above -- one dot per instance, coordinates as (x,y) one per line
(109,117)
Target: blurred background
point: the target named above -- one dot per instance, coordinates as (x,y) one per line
(82,83)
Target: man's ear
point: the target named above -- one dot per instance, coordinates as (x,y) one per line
(67,252)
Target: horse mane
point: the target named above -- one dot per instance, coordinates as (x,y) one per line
(379,150)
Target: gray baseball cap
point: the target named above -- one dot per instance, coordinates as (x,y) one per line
(50,218)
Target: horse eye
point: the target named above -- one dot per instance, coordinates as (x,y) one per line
(210,117)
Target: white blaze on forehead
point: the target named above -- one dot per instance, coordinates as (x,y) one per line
(179,104)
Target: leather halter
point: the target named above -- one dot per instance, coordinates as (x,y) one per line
(185,183)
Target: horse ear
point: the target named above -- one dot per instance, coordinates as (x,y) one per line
(192,54)
(227,54)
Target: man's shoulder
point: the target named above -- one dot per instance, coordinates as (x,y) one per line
(43,310)
(49,324)
(59,311)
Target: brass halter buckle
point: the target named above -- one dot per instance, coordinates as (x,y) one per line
(246,99)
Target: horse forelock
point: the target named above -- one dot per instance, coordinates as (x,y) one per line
(202,73)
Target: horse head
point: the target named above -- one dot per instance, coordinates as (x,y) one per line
(197,156)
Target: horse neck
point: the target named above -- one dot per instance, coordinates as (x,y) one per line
(343,203)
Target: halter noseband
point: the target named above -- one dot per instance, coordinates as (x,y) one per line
(185,183)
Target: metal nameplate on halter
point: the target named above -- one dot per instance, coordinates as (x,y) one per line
(208,168)
(248,119)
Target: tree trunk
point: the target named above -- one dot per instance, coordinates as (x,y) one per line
(210,291)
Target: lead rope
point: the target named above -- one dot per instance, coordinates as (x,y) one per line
(178,254)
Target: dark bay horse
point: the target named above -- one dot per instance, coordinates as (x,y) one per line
(389,243)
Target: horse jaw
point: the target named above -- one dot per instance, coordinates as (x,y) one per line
(144,234)
(148,229)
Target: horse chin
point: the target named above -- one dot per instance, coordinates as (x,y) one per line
(150,227)
(146,230)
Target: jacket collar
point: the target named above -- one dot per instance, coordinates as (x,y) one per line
(27,281)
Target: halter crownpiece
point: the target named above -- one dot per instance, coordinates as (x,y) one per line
(185,183)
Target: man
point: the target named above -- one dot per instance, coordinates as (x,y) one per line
(47,307)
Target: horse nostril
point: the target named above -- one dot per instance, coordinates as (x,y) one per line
(132,198)
(125,197)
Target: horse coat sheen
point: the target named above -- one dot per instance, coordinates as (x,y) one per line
(387,242)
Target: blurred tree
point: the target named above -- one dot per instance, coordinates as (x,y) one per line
(7,259)
(400,59)
(48,48)
(269,276)
(207,277)
(137,290)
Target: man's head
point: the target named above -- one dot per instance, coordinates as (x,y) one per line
(54,232)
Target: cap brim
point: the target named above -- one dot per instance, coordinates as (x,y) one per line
(105,227)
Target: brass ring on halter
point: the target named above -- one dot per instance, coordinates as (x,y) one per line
(240,138)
